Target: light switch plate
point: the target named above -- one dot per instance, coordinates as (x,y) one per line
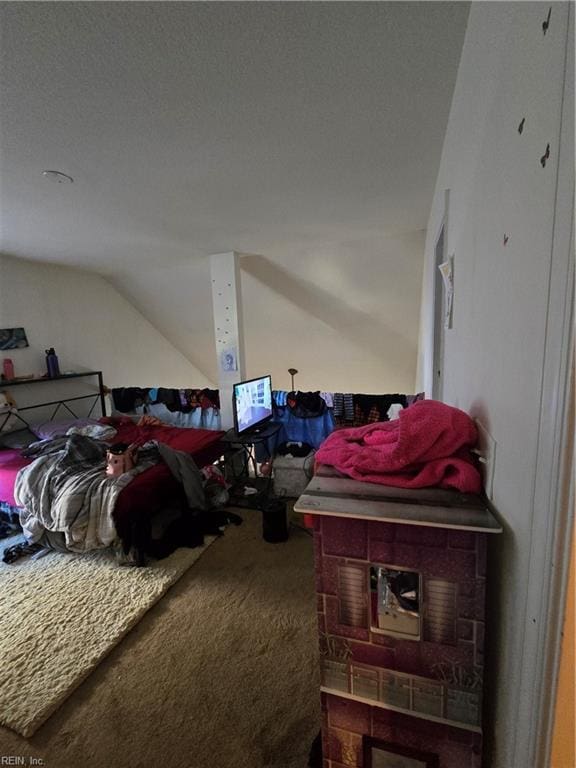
(486,450)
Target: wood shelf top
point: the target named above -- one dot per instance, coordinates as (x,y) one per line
(332,494)
(38,379)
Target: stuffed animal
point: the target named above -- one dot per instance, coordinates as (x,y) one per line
(8,413)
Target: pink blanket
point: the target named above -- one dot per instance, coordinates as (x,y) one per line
(11,462)
(428,445)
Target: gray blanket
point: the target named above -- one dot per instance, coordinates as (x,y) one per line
(65,489)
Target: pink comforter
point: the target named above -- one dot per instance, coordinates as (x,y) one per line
(11,462)
(428,445)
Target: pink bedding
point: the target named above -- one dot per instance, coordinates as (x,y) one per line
(10,463)
(427,446)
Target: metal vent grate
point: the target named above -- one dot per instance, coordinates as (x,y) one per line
(440,611)
(353,596)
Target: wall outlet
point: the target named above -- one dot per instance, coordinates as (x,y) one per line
(486,450)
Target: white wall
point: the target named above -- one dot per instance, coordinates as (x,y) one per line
(494,355)
(91,326)
(344,314)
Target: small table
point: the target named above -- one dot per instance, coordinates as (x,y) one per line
(248,441)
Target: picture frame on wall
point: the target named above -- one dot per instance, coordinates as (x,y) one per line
(13,338)
(385,754)
(228,360)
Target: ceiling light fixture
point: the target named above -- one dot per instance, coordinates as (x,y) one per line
(57,177)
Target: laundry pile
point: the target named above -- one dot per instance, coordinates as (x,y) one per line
(348,410)
(126,399)
(428,445)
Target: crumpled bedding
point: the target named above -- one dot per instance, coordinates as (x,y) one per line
(97,431)
(428,445)
(66,490)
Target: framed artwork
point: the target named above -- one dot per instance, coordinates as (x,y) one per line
(385,754)
(13,338)
(228,360)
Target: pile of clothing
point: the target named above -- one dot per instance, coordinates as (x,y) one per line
(429,445)
(348,409)
(9,525)
(127,399)
(358,409)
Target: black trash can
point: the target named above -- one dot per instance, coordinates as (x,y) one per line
(274,521)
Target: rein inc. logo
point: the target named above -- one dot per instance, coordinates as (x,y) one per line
(20,760)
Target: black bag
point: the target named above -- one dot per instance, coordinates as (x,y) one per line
(305,405)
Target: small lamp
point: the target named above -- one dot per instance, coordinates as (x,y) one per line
(292,372)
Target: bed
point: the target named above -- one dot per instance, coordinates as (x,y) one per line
(156,488)
(149,492)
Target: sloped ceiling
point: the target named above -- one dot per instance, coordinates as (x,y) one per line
(303,133)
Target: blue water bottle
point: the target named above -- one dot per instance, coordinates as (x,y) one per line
(52,365)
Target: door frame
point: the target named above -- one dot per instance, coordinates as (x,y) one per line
(553,482)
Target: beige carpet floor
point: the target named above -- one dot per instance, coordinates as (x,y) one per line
(60,615)
(221,672)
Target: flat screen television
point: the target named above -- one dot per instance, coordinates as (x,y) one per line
(252,404)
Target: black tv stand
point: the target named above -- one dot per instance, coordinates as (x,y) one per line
(247,442)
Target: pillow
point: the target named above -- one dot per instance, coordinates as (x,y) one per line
(21,438)
(51,429)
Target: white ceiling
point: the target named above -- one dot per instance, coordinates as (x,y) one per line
(193,128)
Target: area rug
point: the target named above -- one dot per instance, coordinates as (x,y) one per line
(61,615)
(222,672)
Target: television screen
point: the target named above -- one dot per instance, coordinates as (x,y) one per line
(252,401)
